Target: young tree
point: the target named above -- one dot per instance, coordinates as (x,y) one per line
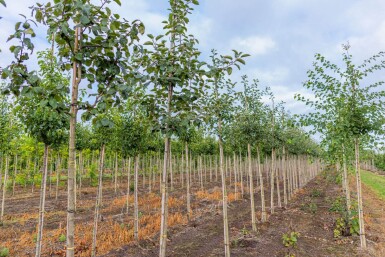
(171,64)
(45,115)
(346,111)
(95,44)
(218,106)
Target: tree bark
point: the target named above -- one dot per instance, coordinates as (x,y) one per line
(76,77)
(4,188)
(43,189)
(251,188)
(263,206)
(98,201)
(359,194)
(136,208)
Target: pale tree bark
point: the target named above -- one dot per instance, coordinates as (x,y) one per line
(346,181)
(359,193)
(116,174)
(76,77)
(224,193)
(284,173)
(43,189)
(98,201)
(136,207)
(163,184)
(272,175)
(263,206)
(128,184)
(189,212)
(235,176)
(4,188)
(14,175)
(58,166)
(251,188)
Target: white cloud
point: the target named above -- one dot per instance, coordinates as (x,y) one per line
(254,45)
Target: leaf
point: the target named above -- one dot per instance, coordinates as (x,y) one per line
(29,31)
(53,103)
(84,20)
(229,70)
(3,3)
(118,2)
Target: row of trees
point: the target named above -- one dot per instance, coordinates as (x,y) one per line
(132,90)
(348,112)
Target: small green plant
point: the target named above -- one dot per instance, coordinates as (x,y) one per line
(309,207)
(245,231)
(4,252)
(34,238)
(62,238)
(290,239)
(132,186)
(316,193)
(234,243)
(340,228)
(338,205)
(313,207)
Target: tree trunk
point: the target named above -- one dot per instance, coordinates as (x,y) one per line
(98,201)
(224,194)
(4,187)
(42,202)
(346,181)
(189,212)
(116,174)
(264,216)
(136,208)
(163,185)
(251,188)
(14,175)
(359,193)
(128,183)
(76,77)
(272,174)
(57,176)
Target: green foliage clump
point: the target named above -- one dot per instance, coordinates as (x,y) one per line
(316,193)
(290,239)
(4,252)
(338,205)
(62,238)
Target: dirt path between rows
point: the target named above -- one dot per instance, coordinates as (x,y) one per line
(307,213)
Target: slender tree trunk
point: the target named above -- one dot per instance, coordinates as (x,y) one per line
(224,193)
(98,201)
(14,175)
(128,183)
(346,181)
(4,188)
(263,206)
(189,212)
(81,169)
(116,174)
(284,173)
(251,188)
(57,176)
(163,185)
(235,176)
(359,193)
(76,77)
(272,174)
(42,202)
(136,208)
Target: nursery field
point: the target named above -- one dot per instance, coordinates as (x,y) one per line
(311,214)
(132,136)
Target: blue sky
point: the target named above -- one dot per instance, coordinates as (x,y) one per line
(281,35)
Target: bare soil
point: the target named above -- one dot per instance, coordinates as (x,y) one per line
(307,213)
